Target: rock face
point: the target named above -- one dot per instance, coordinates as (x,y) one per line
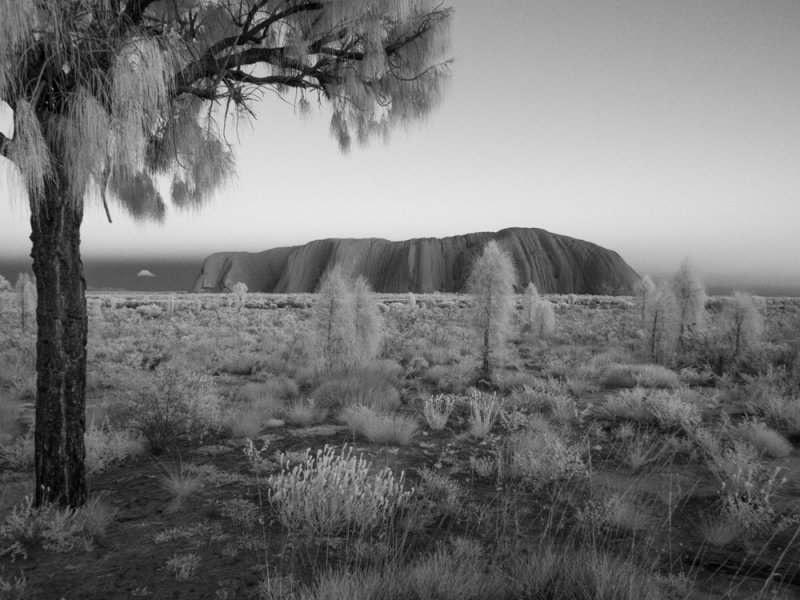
(554,263)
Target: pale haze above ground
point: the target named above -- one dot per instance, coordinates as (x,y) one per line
(661,129)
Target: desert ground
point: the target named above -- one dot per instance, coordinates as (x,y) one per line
(228,456)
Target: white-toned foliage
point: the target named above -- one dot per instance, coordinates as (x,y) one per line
(661,326)
(690,299)
(331,494)
(437,410)
(239,293)
(368,322)
(741,323)
(645,290)
(334,320)
(26,299)
(491,284)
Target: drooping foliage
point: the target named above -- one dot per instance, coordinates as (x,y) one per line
(115,98)
(108,94)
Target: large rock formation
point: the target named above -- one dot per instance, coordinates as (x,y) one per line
(555,263)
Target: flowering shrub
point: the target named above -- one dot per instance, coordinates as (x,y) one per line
(331,494)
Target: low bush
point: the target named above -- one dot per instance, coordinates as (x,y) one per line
(539,457)
(765,440)
(51,528)
(180,402)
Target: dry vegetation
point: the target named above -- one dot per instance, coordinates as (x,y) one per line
(233,455)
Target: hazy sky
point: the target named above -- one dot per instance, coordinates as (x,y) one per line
(661,129)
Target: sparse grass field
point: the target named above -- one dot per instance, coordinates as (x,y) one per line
(225,461)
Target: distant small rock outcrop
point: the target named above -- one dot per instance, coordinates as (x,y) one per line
(554,263)
(145,273)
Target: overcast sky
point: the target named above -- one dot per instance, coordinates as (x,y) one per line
(661,129)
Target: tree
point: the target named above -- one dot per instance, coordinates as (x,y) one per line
(491,284)
(741,324)
(529,302)
(645,291)
(334,317)
(111,96)
(661,330)
(26,298)
(367,321)
(690,298)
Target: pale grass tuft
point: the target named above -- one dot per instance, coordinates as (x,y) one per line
(485,409)
(380,428)
(330,494)
(30,152)
(437,410)
(183,566)
(180,483)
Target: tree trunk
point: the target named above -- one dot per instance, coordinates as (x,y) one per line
(60,351)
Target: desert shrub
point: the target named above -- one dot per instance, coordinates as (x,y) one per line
(766,440)
(624,375)
(437,410)
(305,412)
(464,571)
(581,574)
(540,456)
(106,446)
(672,410)
(369,386)
(450,379)
(57,529)
(484,409)
(782,413)
(379,428)
(18,453)
(183,566)
(627,405)
(180,402)
(436,496)
(460,572)
(331,494)
(491,284)
(618,511)
(747,486)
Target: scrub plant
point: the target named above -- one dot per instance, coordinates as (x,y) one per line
(331,494)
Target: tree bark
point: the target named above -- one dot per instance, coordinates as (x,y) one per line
(60,351)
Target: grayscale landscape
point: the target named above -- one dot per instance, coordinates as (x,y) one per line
(399,299)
